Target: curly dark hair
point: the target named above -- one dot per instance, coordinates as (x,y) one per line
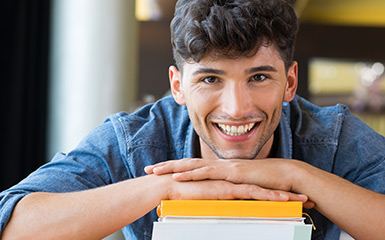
(232,28)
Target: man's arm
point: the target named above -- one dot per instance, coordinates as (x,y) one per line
(96,213)
(356,210)
(90,214)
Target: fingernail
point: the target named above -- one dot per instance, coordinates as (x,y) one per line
(157,170)
(147,167)
(177,174)
(303,196)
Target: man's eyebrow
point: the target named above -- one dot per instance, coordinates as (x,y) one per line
(209,71)
(267,68)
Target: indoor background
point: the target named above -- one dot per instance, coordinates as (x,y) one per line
(67,64)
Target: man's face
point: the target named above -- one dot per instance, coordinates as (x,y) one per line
(235,104)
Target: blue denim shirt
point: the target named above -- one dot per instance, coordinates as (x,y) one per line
(329,138)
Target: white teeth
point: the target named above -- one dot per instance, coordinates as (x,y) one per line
(236,130)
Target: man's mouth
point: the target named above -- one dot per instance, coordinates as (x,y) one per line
(238,130)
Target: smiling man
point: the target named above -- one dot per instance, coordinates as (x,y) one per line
(233,128)
(235,104)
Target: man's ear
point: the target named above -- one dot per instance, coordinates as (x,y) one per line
(176,85)
(292,82)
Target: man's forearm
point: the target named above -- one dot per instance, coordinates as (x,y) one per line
(358,211)
(94,214)
(91,214)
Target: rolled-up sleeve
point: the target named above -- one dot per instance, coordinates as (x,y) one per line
(97,161)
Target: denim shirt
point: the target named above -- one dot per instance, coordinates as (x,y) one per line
(329,138)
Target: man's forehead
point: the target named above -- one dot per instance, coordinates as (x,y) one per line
(215,63)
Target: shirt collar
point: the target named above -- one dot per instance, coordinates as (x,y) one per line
(284,148)
(191,142)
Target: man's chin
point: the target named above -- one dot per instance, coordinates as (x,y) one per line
(236,155)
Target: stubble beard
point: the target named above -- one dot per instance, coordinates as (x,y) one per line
(235,152)
(267,133)
(228,155)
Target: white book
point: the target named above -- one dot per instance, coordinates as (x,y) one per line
(211,228)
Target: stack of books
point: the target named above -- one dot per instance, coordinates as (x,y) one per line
(230,219)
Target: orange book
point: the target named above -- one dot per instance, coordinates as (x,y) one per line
(230,208)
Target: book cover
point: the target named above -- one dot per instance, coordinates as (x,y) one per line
(230,208)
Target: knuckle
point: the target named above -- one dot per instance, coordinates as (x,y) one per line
(252,189)
(244,191)
(194,160)
(236,168)
(259,193)
(208,169)
(191,162)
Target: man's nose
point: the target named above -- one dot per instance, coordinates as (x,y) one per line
(237,101)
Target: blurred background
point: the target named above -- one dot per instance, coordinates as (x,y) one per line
(67,64)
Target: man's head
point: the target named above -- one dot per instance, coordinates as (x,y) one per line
(232,28)
(235,70)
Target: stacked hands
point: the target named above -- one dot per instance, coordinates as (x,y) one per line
(262,179)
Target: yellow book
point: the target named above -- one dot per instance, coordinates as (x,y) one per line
(230,208)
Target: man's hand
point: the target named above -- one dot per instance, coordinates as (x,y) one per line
(231,179)
(358,211)
(225,190)
(268,173)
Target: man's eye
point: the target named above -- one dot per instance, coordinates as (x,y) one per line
(210,80)
(259,78)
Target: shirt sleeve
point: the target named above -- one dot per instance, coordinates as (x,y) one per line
(360,156)
(97,161)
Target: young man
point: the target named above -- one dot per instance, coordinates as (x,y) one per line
(234,129)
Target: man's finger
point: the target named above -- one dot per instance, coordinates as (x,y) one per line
(150,168)
(178,166)
(203,173)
